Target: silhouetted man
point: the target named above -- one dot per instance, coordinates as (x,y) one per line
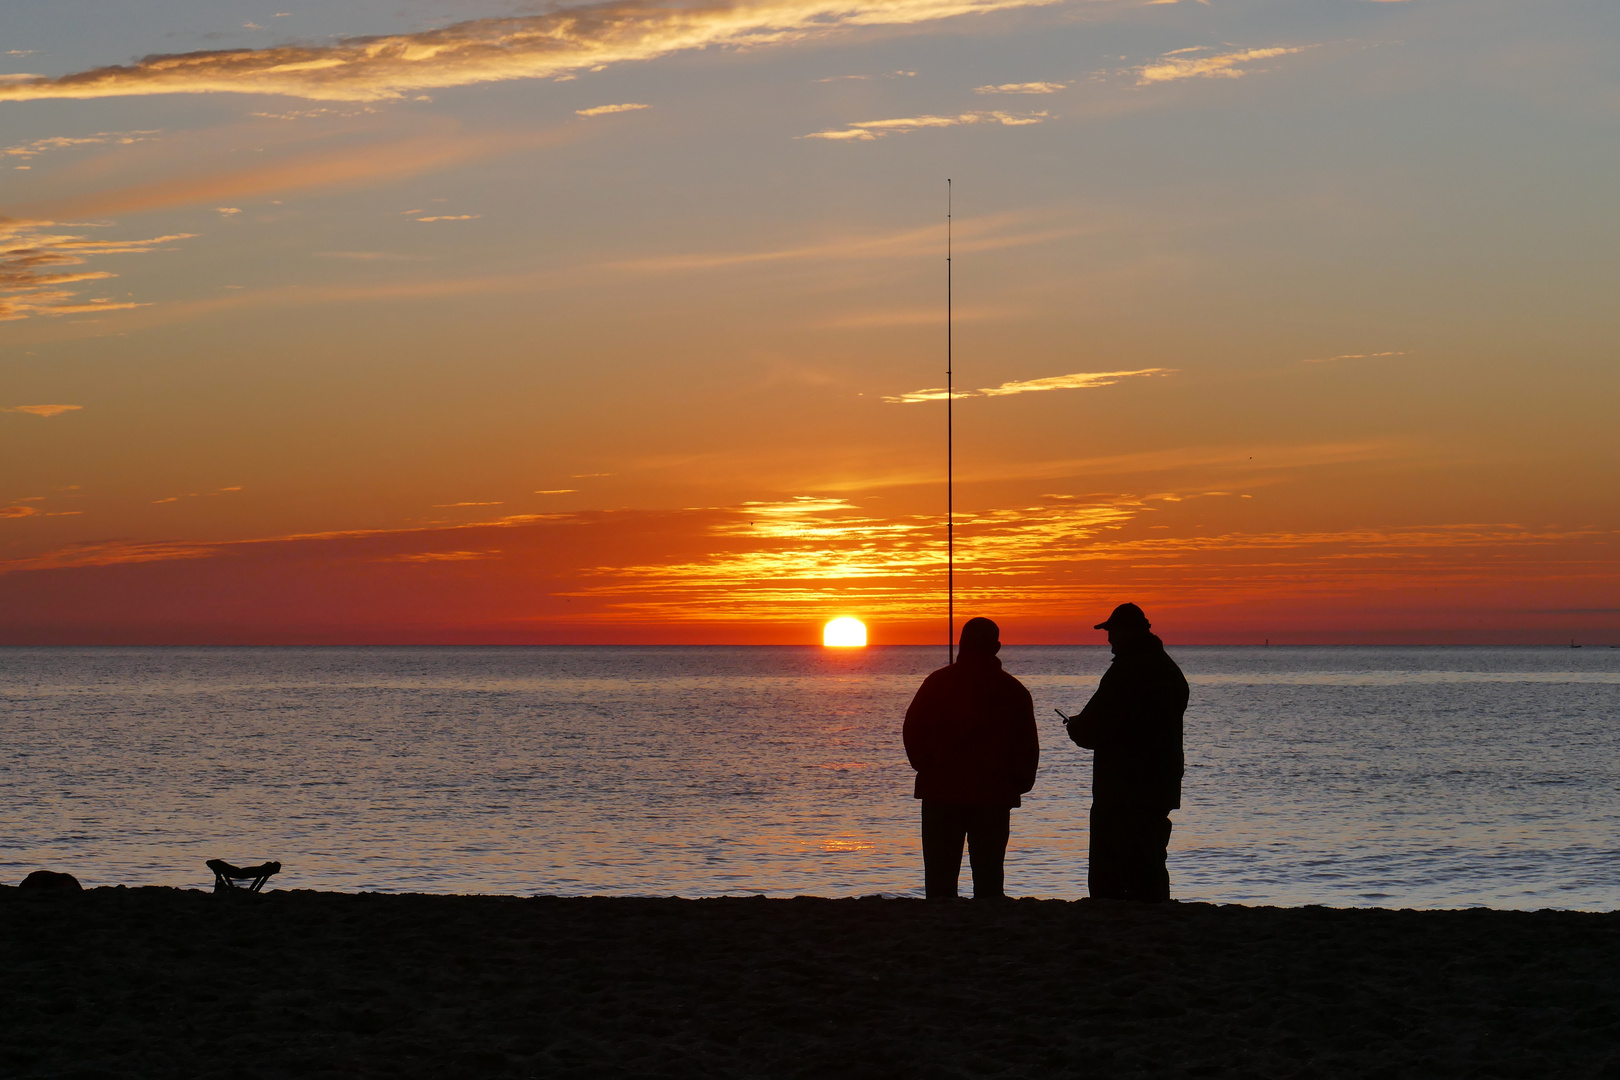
(1133,722)
(970,734)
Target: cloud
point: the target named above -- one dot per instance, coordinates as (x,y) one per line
(29,283)
(43,410)
(17,511)
(865,130)
(198,494)
(567,491)
(318,111)
(785,561)
(442,556)
(570,39)
(1352,356)
(603,110)
(350,167)
(110,553)
(369,256)
(799,504)
(989,233)
(36,147)
(1022,88)
(918,316)
(451,217)
(890,75)
(1181,64)
(1081,380)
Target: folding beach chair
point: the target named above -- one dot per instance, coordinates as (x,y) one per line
(226,876)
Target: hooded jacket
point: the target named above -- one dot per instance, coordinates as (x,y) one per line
(1133,722)
(970,734)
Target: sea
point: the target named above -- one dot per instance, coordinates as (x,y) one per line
(1342,776)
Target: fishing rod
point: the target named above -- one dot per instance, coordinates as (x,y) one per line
(950,474)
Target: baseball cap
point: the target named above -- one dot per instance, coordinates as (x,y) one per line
(1124,617)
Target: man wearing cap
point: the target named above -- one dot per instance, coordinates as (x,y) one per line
(1133,723)
(970,734)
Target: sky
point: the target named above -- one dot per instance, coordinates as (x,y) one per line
(479,321)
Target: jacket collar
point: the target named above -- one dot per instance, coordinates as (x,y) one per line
(1145,645)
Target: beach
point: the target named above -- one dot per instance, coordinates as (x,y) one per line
(161,982)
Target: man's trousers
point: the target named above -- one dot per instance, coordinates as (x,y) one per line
(1128,850)
(985,828)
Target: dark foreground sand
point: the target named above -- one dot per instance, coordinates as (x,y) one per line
(170,983)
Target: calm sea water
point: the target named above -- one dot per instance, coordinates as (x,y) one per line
(1411,777)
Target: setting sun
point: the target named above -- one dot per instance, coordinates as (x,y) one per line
(844,633)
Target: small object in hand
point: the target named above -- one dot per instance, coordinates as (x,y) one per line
(226,876)
(1066,718)
(51,879)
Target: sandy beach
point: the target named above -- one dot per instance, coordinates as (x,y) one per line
(155,982)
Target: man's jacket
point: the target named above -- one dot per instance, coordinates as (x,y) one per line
(970,734)
(1133,722)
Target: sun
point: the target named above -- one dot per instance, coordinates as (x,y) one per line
(844,633)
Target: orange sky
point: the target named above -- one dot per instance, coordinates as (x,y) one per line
(619,324)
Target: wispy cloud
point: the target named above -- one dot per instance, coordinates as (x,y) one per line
(919,316)
(890,75)
(551,45)
(350,167)
(36,147)
(31,254)
(1022,88)
(369,256)
(442,556)
(316,112)
(988,233)
(198,495)
(567,491)
(788,560)
(865,130)
(809,550)
(451,217)
(1352,356)
(1081,380)
(19,510)
(43,410)
(604,110)
(110,553)
(1186,64)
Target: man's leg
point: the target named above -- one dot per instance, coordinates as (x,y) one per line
(1107,874)
(1152,877)
(944,827)
(987,850)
